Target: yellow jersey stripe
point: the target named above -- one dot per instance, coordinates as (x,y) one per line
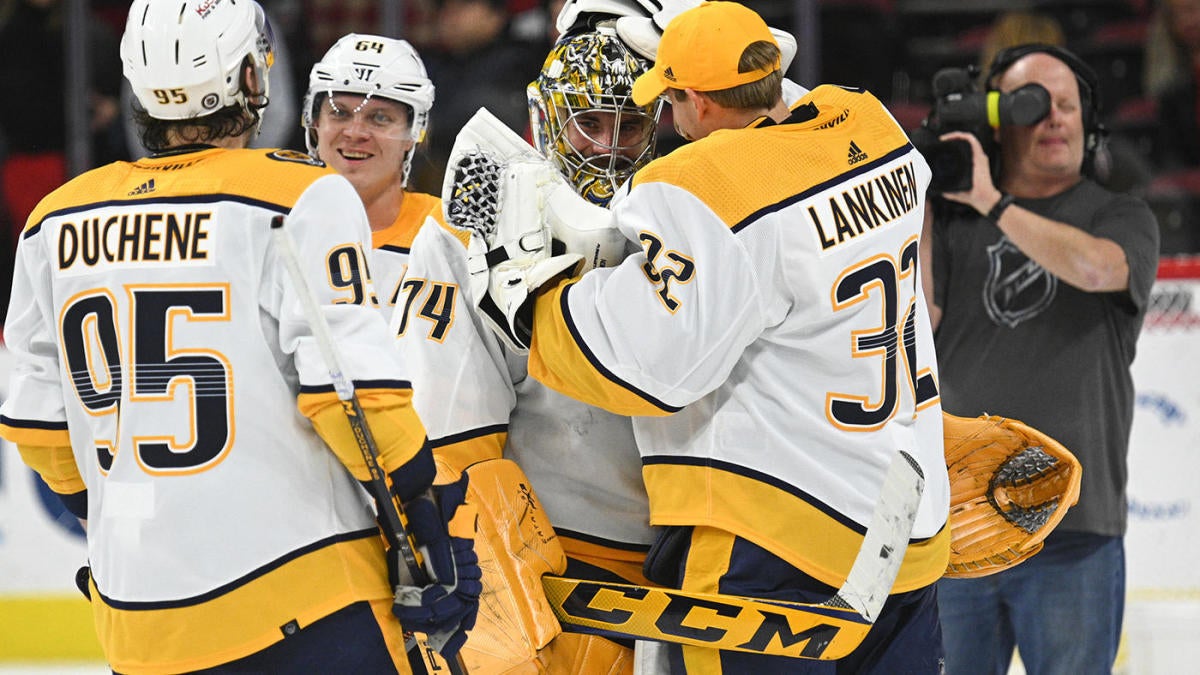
(805,533)
(704,170)
(252,176)
(708,559)
(394,424)
(556,341)
(246,616)
(34,432)
(56,465)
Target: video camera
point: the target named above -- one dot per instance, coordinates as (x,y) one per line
(959,106)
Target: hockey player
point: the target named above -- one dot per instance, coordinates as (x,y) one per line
(580,117)
(771,339)
(366,110)
(477,399)
(168,386)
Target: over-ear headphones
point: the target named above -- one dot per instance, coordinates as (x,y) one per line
(1094,131)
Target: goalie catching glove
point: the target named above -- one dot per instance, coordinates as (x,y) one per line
(528,226)
(517,261)
(443,526)
(1010,485)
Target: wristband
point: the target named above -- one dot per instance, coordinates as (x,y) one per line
(1003,203)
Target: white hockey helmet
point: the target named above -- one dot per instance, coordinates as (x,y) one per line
(370,65)
(640,23)
(184,59)
(588,72)
(569,17)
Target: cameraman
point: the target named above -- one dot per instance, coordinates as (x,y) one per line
(1039,284)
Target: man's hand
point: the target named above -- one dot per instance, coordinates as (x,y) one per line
(983,194)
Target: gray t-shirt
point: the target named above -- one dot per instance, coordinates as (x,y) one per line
(1017,341)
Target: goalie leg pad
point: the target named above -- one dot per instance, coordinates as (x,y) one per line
(516,546)
(576,654)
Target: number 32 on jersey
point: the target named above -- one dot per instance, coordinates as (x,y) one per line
(891,283)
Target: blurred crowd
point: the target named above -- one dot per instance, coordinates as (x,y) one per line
(485,52)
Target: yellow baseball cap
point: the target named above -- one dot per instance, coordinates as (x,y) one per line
(700,50)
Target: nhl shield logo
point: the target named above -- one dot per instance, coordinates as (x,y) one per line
(1017,289)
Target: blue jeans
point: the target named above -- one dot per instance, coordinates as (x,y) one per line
(1062,609)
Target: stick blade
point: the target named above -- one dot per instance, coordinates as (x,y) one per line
(829,630)
(726,622)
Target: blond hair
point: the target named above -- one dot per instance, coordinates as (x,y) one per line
(1018,28)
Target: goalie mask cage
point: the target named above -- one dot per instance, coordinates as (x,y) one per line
(1175,298)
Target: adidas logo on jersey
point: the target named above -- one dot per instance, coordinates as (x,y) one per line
(144,188)
(856,154)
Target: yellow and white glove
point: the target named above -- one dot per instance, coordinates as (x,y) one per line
(528,225)
(521,259)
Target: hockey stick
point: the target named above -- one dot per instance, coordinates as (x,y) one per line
(391,511)
(829,630)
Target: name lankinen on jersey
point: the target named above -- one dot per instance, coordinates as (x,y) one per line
(134,238)
(856,209)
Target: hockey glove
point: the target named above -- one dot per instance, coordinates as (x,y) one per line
(507,270)
(581,226)
(641,31)
(83,577)
(1010,485)
(494,187)
(443,526)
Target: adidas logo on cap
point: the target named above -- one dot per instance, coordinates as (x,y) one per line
(855,155)
(669,74)
(142,189)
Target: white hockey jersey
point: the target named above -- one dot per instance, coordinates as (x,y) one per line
(772,338)
(157,334)
(477,401)
(390,246)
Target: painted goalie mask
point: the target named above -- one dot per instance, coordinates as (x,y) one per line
(583,117)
